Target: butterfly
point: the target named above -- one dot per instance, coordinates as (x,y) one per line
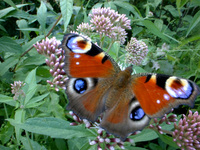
(97,85)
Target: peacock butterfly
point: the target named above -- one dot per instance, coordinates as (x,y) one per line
(97,85)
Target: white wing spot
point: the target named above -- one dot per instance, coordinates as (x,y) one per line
(77,56)
(158,101)
(166,97)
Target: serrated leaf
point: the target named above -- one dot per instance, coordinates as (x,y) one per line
(32,85)
(53,127)
(194,22)
(42,16)
(19,118)
(36,101)
(66,7)
(9,45)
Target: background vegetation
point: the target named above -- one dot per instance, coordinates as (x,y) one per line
(171,29)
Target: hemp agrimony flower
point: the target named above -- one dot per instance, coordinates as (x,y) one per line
(187,132)
(106,21)
(85,28)
(17,90)
(55,55)
(137,51)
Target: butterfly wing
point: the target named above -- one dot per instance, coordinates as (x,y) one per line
(145,96)
(125,116)
(85,59)
(158,94)
(90,72)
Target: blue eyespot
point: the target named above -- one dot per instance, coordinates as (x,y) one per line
(137,114)
(80,85)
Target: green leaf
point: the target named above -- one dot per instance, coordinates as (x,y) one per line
(155,146)
(168,69)
(168,140)
(10,2)
(78,143)
(29,44)
(31,84)
(153,29)
(35,60)
(6,133)
(135,148)
(129,7)
(172,10)
(2,28)
(188,40)
(138,69)
(20,14)
(53,127)
(34,101)
(5,11)
(145,135)
(5,148)
(23,24)
(194,22)
(19,118)
(9,45)
(31,145)
(61,144)
(180,4)
(8,63)
(42,16)
(66,7)
(7,100)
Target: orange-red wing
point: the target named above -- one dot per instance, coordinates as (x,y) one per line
(89,66)
(158,94)
(85,59)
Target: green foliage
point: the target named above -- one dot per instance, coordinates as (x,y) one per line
(38,120)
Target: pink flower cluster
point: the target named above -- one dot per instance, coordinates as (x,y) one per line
(156,125)
(17,90)
(106,21)
(55,60)
(187,132)
(137,51)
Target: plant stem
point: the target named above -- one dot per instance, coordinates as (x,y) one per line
(6,112)
(45,36)
(29,142)
(110,45)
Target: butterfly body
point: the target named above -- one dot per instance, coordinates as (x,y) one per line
(96,85)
